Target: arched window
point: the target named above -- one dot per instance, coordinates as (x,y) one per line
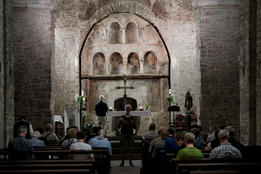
(115,36)
(116,63)
(131,33)
(150,63)
(98,63)
(133,63)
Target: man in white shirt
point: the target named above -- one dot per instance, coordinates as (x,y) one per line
(81,145)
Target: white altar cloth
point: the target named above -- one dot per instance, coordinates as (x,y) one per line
(133,113)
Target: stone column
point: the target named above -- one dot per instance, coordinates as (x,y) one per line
(2,79)
(220,46)
(258,75)
(123,31)
(6,75)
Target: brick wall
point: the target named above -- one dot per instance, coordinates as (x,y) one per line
(219,39)
(32,50)
(258,75)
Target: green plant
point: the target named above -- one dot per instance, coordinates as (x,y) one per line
(80,99)
(170,99)
(147,106)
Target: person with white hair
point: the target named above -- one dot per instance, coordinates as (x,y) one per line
(35,140)
(101,108)
(225,150)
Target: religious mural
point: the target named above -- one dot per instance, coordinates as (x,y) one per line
(133,64)
(98,64)
(150,63)
(116,63)
(115,36)
(131,33)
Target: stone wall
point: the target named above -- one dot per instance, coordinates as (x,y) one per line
(220,36)
(173,20)
(32,45)
(6,75)
(258,75)
(2,79)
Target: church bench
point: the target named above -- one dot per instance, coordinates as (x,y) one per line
(216,172)
(47,171)
(30,166)
(219,165)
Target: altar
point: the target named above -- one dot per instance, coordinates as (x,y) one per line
(137,114)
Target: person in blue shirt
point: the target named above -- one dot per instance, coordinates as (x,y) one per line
(100,141)
(170,144)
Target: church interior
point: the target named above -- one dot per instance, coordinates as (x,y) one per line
(179,63)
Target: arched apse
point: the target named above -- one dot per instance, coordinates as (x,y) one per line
(119,59)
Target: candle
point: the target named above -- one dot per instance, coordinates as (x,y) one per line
(140,107)
(170,91)
(110,108)
(82,92)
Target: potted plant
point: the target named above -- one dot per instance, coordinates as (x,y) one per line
(81,99)
(147,106)
(170,100)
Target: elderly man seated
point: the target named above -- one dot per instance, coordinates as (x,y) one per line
(225,150)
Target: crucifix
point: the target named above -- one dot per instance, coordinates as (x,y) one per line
(125,88)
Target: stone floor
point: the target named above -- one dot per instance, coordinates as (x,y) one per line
(126,169)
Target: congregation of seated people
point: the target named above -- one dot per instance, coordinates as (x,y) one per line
(188,146)
(26,140)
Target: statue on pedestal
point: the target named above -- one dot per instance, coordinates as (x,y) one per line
(188,101)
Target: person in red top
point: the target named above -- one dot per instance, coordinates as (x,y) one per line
(127,126)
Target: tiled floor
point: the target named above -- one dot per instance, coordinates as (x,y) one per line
(126,169)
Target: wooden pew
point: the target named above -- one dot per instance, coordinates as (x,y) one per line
(216,172)
(102,163)
(215,166)
(48,171)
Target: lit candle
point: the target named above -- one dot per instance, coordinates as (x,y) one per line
(141,108)
(170,91)
(110,108)
(83,98)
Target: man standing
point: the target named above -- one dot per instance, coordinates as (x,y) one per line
(127,126)
(101,108)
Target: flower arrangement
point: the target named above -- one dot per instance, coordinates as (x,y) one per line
(170,99)
(82,99)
